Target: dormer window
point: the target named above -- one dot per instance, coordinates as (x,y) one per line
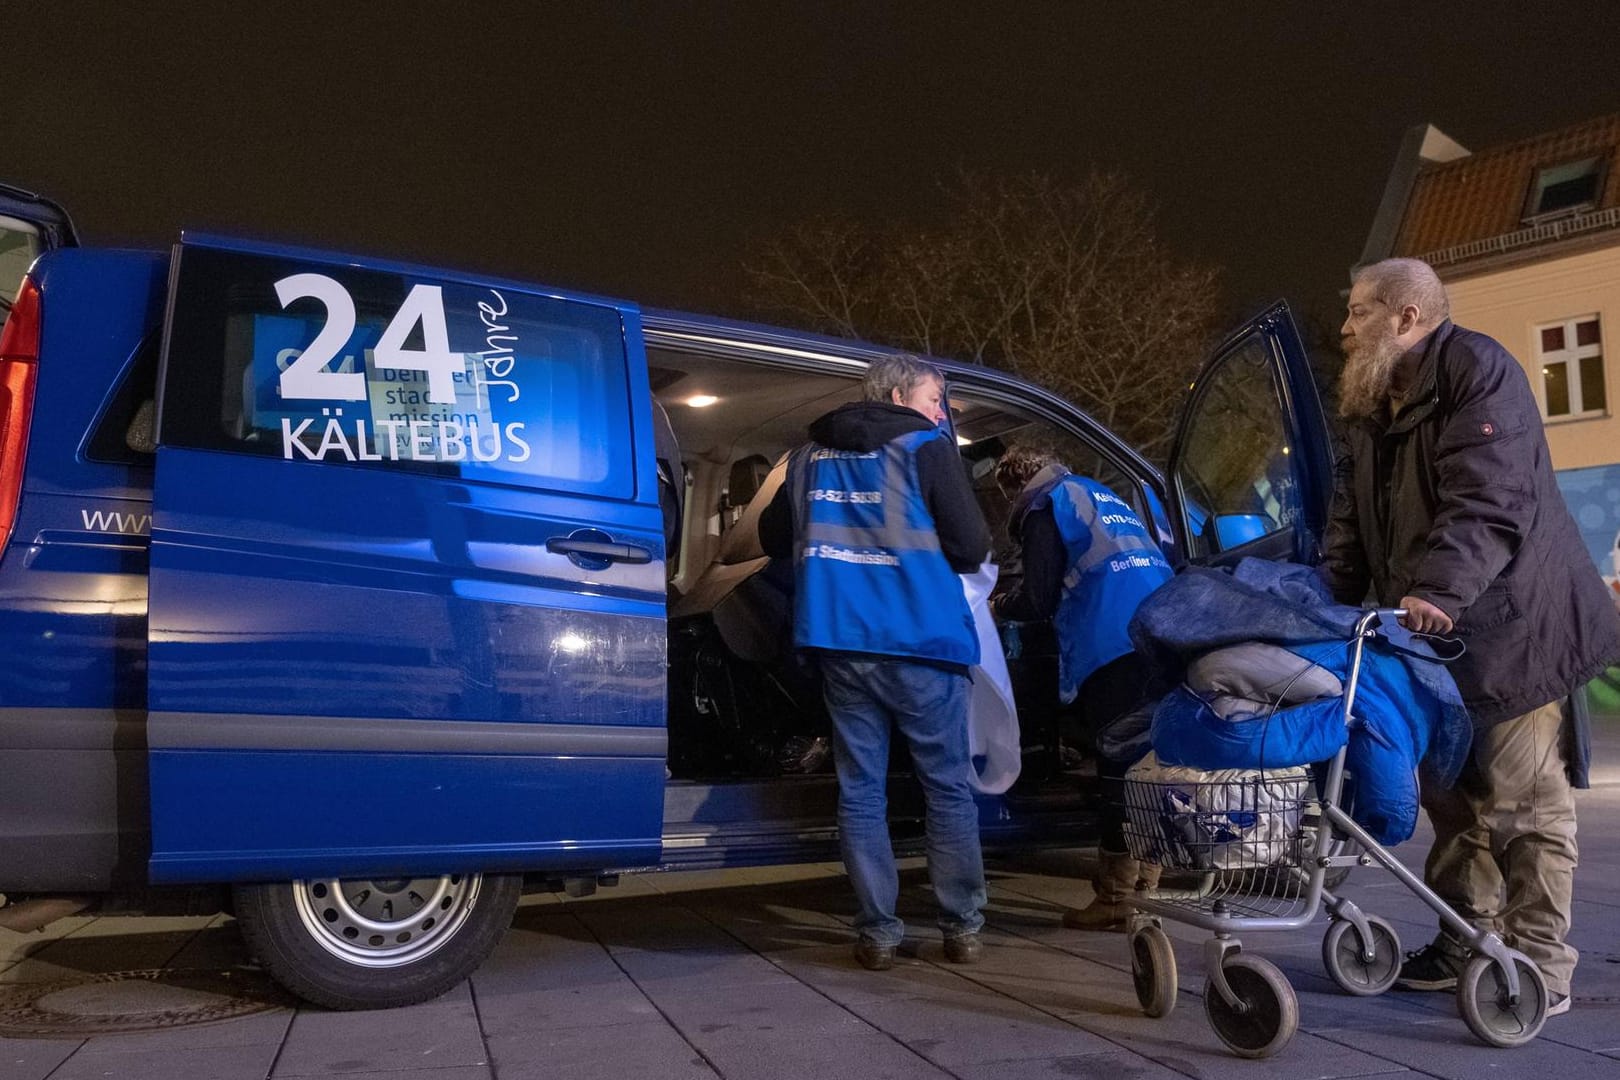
(1567,188)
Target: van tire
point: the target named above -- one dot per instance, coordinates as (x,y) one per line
(376,944)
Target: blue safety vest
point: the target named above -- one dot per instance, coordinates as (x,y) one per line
(1112,565)
(870,576)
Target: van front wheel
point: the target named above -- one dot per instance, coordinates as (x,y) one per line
(376,944)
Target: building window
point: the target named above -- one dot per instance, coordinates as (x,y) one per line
(1569,188)
(1571,356)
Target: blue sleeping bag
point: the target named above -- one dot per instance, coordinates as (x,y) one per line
(1407,710)
(1186,731)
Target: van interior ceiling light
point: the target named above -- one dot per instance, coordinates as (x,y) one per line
(701,401)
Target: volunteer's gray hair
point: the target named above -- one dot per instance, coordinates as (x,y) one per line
(902,372)
(1398,282)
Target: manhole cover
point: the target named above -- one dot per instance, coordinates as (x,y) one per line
(126,1001)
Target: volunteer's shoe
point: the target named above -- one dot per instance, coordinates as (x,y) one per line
(1117,877)
(874,957)
(1430,968)
(1557,1004)
(1097,915)
(964,949)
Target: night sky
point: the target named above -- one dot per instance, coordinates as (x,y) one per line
(641,150)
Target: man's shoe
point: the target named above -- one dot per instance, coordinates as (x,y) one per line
(1429,968)
(964,949)
(1557,1004)
(874,957)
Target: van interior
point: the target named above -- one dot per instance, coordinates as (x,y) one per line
(742,705)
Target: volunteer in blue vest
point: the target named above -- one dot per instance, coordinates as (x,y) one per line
(1088,563)
(879,517)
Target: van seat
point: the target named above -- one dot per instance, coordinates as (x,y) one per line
(748,475)
(748,597)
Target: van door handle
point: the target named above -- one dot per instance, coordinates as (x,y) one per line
(605,550)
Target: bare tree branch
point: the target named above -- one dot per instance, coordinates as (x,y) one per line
(1063,284)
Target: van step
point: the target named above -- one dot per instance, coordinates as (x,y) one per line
(783,798)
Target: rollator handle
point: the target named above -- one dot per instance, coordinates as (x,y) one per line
(1376,616)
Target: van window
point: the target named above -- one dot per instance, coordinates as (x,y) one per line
(122,434)
(19,244)
(348,367)
(1236,472)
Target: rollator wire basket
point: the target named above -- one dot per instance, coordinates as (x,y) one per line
(1248,819)
(1242,824)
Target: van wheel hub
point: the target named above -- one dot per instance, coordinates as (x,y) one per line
(385,923)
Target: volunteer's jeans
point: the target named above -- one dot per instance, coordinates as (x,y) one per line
(1504,849)
(866,700)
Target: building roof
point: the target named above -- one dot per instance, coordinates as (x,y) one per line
(1474,206)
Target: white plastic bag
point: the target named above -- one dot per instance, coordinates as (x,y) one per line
(992,713)
(1226,819)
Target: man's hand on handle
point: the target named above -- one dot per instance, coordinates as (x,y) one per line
(1423,617)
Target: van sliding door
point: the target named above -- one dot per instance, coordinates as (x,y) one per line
(407,585)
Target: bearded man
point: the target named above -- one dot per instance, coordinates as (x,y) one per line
(1445,505)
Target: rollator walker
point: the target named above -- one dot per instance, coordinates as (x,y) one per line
(1253,886)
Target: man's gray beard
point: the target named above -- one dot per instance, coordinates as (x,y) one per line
(1364,385)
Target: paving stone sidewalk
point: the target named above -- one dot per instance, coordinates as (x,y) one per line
(749,974)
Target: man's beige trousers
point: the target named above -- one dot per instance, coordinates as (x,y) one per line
(1504,850)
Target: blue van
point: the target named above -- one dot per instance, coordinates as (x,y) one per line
(356,597)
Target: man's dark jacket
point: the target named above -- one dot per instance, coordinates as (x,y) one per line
(1454,502)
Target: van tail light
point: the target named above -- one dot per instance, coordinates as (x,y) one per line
(19,366)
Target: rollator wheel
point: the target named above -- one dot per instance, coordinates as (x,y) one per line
(1268,1014)
(1348,965)
(1153,969)
(1482,998)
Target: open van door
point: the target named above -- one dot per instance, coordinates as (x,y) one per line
(407,626)
(1251,469)
(29,226)
(44,217)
